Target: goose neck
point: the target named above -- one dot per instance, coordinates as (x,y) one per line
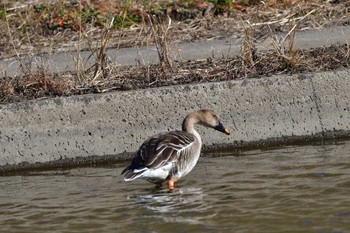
(188,126)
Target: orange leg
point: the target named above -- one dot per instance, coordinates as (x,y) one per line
(170,184)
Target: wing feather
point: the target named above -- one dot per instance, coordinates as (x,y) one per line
(161,149)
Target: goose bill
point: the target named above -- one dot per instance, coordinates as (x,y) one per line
(221,128)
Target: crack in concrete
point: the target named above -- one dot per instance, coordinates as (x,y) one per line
(317,104)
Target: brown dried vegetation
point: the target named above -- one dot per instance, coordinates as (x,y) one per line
(256,20)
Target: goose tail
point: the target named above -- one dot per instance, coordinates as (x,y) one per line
(132,174)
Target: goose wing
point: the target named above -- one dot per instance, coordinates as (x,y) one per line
(159,150)
(164,148)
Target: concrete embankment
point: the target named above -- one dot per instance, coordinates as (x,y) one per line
(107,126)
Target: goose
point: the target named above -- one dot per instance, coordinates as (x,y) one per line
(168,156)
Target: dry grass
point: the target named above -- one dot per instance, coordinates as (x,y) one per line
(32,85)
(159,26)
(35,27)
(41,83)
(284,47)
(248,52)
(252,22)
(100,67)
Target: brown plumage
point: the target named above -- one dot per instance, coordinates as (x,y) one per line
(171,155)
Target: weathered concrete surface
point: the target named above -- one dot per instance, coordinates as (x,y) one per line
(109,124)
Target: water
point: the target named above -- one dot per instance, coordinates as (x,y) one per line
(291,189)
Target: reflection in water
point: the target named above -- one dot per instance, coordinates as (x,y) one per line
(168,206)
(167,202)
(290,189)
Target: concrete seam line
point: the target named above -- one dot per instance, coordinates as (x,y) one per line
(317,104)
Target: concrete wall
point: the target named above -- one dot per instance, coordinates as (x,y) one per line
(113,123)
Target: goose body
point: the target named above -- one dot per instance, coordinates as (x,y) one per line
(171,155)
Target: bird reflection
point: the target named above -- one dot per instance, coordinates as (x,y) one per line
(177,205)
(162,200)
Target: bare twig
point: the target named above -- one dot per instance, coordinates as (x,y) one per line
(101,55)
(159,29)
(347,52)
(78,61)
(9,30)
(285,48)
(248,50)
(285,20)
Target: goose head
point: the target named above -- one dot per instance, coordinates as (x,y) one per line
(206,118)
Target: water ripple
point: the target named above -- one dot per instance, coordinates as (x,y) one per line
(290,189)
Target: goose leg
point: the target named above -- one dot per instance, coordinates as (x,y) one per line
(170,184)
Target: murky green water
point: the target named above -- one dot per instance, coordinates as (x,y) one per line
(293,189)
